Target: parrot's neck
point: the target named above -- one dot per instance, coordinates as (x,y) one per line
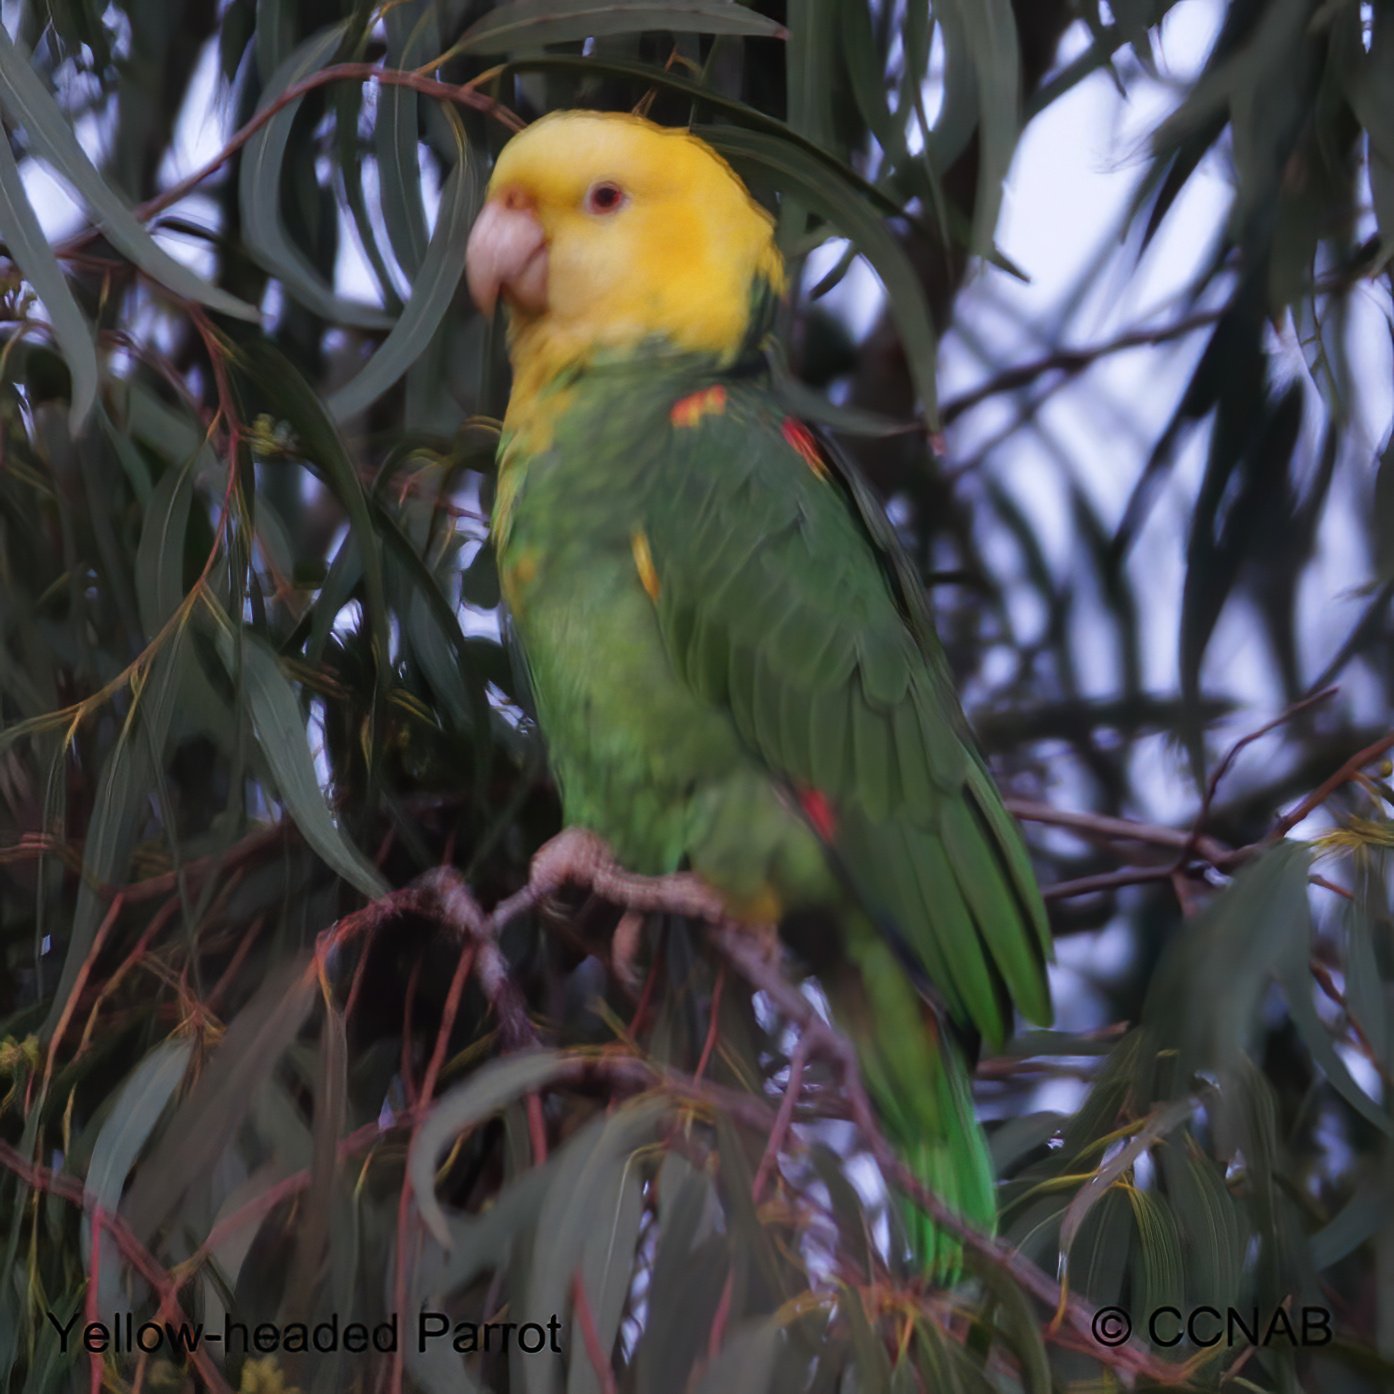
(549,355)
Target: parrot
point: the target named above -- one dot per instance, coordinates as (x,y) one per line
(732,661)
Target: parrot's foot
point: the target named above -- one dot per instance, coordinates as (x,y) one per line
(578,857)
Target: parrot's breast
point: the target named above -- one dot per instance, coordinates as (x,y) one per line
(657,770)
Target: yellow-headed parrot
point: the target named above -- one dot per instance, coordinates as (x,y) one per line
(732,661)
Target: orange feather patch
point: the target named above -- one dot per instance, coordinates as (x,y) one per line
(801,438)
(689,410)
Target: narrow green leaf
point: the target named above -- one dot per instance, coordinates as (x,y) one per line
(348,105)
(435,646)
(746,1361)
(1210,1219)
(1205,994)
(412,39)
(981,44)
(1017,1323)
(122,791)
(1368,1000)
(282,390)
(30,104)
(25,240)
(1297,989)
(690,1269)
(1384,513)
(1358,1220)
(136,1110)
(313,1236)
(432,294)
(273,35)
(587,1225)
(532,23)
(1101,1182)
(1158,1267)
(244,1060)
(810,62)
(133,463)
(259,188)
(160,553)
(607,1271)
(815,184)
(485,1092)
(284,741)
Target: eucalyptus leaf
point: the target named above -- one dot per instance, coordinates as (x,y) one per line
(281,734)
(532,23)
(432,294)
(259,190)
(28,103)
(482,1095)
(25,240)
(137,1110)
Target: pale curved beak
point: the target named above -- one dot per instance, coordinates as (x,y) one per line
(507,255)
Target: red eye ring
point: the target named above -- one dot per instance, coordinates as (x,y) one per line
(604,196)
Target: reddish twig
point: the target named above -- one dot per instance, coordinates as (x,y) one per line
(408,1003)
(714,1017)
(1192,843)
(1233,753)
(769,1159)
(1350,770)
(40,1178)
(1106,881)
(80,982)
(96,1218)
(428,1091)
(600,1361)
(1103,827)
(720,1317)
(537,1128)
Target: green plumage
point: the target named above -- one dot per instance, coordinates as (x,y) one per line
(781,646)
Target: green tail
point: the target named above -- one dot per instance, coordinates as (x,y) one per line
(918,1082)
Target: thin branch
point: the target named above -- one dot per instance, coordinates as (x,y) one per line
(1192,843)
(338,72)
(1106,828)
(769,1159)
(1106,881)
(1070,361)
(1232,754)
(598,1357)
(1350,770)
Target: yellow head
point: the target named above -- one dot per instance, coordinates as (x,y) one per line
(602,230)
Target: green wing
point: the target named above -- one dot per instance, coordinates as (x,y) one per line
(784,597)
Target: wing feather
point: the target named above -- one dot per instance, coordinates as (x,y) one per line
(784,597)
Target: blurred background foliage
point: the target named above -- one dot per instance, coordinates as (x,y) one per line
(250,677)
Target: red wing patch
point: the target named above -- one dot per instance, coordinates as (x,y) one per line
(689,410)
(818,809)
(801,439)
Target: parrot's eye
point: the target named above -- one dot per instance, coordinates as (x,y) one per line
(604,197)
